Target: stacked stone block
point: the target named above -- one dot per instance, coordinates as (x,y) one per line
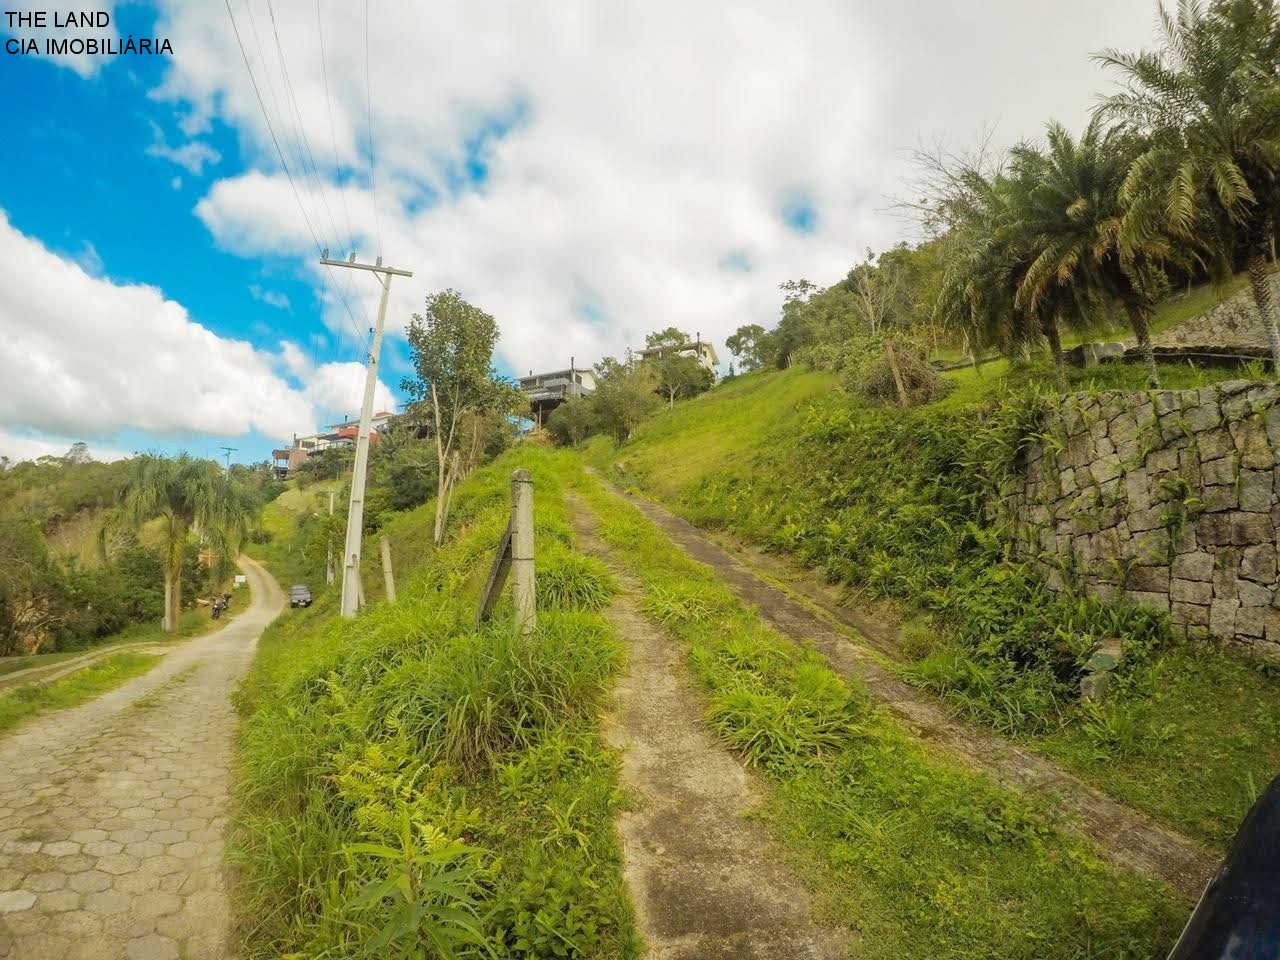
(1166,498)
(1232,323)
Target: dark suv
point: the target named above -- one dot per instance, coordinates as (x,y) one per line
(299,596)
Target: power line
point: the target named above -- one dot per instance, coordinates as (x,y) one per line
(292,99)
(280,153)
(333,136)
(333,143)
(303,142)
(373,166)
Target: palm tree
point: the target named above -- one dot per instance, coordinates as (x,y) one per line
(990,251)
(186,495)
(1209,101)
(1069,207)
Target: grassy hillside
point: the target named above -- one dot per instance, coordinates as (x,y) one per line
(893,503)
(413,786)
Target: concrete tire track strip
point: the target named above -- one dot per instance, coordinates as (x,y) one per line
(701,876)
(112,813)
(1121,834)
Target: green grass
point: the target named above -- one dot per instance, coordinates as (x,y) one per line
(895,504)
(411,786)
(106,674)
(716,429)
(921,857)
(1191,738)
(1179,309)
(192,623)
(289,554)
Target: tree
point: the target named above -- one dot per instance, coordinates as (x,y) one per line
(452,344)
(1070,207)
(670,337)
(573,421)
(750,345)
(878,293)
(1209,102)
(681,374)
(186,495)
(29,588)
(624,396)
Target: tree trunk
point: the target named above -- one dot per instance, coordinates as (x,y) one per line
(892,357)
(1261,285)
(1139,320)
(172,599)
(1051,333)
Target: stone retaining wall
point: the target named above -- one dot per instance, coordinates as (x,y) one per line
(1232,323)
(1168,498)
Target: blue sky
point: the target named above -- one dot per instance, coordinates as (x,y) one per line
(583,172)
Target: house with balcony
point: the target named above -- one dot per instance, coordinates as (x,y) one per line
(546,391)
(699,349)
(287,460)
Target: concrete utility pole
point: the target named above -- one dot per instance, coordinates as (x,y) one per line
(228,451)
(351,586)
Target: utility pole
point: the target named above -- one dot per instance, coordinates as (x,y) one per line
(351,586)
(228,451)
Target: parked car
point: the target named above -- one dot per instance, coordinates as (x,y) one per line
(299,596)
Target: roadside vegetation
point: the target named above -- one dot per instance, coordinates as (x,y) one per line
(76,688)
(918,856)
(896,505)
(411,784)
(75,572)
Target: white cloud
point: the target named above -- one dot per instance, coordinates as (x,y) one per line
(84,356)
(272,298)
(190,156)
(84,64)
(21,446)
(337,388)
(654,140)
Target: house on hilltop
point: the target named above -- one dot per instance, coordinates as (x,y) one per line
(699,349)
(546,391)
(288,460)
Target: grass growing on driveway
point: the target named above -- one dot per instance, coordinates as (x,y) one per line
(76,688)
(921,857)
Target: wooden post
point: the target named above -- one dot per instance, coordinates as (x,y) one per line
(387,574)
(892,357)
(515,552)
(522,576)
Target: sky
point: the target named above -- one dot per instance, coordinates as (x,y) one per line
(586,171)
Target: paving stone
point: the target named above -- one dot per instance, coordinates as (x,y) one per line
(85,792)
(153,947)
(107,902)
(12,901)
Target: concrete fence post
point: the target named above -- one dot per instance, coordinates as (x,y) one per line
(522,576)
(387,574)
(514,556)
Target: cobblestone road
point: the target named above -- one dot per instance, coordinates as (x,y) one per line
(112,813)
